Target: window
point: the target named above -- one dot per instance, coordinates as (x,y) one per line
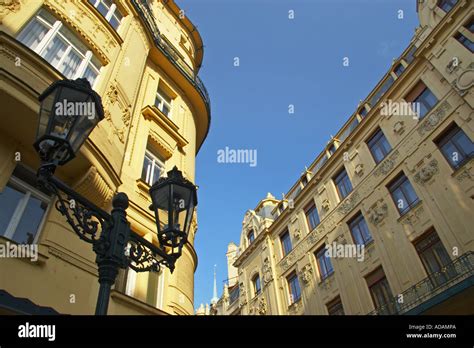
(410,55)
(304,180)
(359,230)
(109,10)
(363,112)
(234,294)
(312,217)
(379,146)
(61,48)
(256,285)
(446,5)
(398,70)
(463,39)
(381,91)
(324,263)
(163,102)
(153,168)
(285,243)
(422,98)
(380,291)
(22,208)
(403,194)
(294,288)
(456,147)
(335,307)
(332,149)
(343,184)
(127,282)
(280,208)
(434,257)
(250,237)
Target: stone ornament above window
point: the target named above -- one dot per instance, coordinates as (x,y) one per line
(306,274)
(297,234)
(7,6)
(399,127)
(325,204)
(427,172)
(359,169)
(377,212)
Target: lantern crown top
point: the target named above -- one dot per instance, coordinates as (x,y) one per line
(174,176)
(80,84)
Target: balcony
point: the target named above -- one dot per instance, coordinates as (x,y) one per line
(146,16)
(455,277)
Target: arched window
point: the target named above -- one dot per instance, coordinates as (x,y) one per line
(446,5)
(256,284)
(250,237)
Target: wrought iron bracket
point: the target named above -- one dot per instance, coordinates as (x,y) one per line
(112,239)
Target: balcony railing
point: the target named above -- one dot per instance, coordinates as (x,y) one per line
(450,275)
(146,15)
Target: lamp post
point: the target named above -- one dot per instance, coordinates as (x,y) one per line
(69,111)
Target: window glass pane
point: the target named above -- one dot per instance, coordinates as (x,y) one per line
(409,192)
(70,64)
(400,200)
(54,51)
(102,8)
(30,221)
(399,69)
(364,229)
(90,74)
(114,22)
(463,143)
(33,33)
(147,163)
(450,152)
(9,199)
(430,98)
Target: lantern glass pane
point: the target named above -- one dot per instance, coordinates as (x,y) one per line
(160,198)
(181,200)
(85,123)
(45,114)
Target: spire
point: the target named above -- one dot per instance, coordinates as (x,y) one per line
(214,295)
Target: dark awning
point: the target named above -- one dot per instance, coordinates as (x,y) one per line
(10,304)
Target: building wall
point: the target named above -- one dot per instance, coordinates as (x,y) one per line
(445,195)
(112,159)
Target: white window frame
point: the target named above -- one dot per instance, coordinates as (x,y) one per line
(130,282)
(151,169)
(20,208)
(160,290)
(159,95)
(54,31)
(110,13)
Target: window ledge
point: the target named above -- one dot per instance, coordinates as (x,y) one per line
(295,306)
(327,280)
(137,305)
(464,170)
(410,209)
(143,189)
(153,113)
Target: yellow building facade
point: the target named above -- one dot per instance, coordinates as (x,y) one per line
(143,58)
(382,221)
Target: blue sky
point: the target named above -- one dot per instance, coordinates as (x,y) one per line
(282,61)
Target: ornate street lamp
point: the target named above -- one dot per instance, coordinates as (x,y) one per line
(69,112)
(174,199)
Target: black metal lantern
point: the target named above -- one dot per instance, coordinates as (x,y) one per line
(173,201)
(69,111)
